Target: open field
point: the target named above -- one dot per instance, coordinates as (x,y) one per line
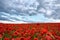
(32,31)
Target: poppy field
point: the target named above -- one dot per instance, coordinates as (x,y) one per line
(34,31)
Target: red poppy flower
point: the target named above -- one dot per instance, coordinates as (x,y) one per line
(13,39)
(22,38)
(35,38)
(43,31)
(1,35)
(6,39)
(48,38)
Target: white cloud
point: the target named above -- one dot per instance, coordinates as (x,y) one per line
(49,12)
(13,9)
(42,10)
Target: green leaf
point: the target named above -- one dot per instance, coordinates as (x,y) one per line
(35,36)
(0,38)
(12,32)
(15,36)
(7,35)
(30,27)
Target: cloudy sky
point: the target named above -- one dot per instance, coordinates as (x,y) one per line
(30,10)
